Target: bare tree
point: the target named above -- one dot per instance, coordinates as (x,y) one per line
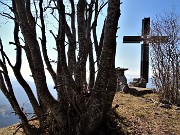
(72,113)
(165,57)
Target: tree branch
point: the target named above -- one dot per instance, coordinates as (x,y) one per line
(43,44)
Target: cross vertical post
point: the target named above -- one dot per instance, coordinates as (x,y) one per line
(144,71)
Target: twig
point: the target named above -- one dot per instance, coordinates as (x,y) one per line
(12,43)
(53,34)
(18,127)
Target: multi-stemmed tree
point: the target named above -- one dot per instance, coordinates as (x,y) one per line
(72,112)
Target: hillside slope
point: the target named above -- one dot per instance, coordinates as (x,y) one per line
(137,116)
(145,116)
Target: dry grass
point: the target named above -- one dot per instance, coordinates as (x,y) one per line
(138,116)
(144,116)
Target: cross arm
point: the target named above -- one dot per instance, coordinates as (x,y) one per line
(132,39)
(160,39)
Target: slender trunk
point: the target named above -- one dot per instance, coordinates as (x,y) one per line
(80,75)
(43,44)
(111,87)
(91,67)
(89,44)
(17,67)
(72,40)
(8,92)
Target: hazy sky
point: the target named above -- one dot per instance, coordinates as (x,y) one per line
(130,23)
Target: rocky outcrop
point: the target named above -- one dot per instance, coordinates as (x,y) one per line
(138,82)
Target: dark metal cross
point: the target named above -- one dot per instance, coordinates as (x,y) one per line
(146,38)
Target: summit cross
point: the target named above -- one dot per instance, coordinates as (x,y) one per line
(146,38)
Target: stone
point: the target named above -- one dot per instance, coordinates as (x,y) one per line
(137,91)
(121,80)
(138,82)
(122,84)
(166,106)
(165,101)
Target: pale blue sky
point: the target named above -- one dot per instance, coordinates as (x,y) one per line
(130,23)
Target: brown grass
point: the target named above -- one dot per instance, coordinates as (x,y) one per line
(146,117)
(138,116)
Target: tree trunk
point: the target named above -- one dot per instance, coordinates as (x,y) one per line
(92,119)
(72,112)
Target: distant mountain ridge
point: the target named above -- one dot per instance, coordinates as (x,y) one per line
(8,118)
(7,115)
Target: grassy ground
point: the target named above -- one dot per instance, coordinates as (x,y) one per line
(144,116)
(138,116)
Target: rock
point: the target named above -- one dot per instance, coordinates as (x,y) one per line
(121,80)
(125,88)
(165,101)
(137,91)
(138,82)
(166,106)
(122,84)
